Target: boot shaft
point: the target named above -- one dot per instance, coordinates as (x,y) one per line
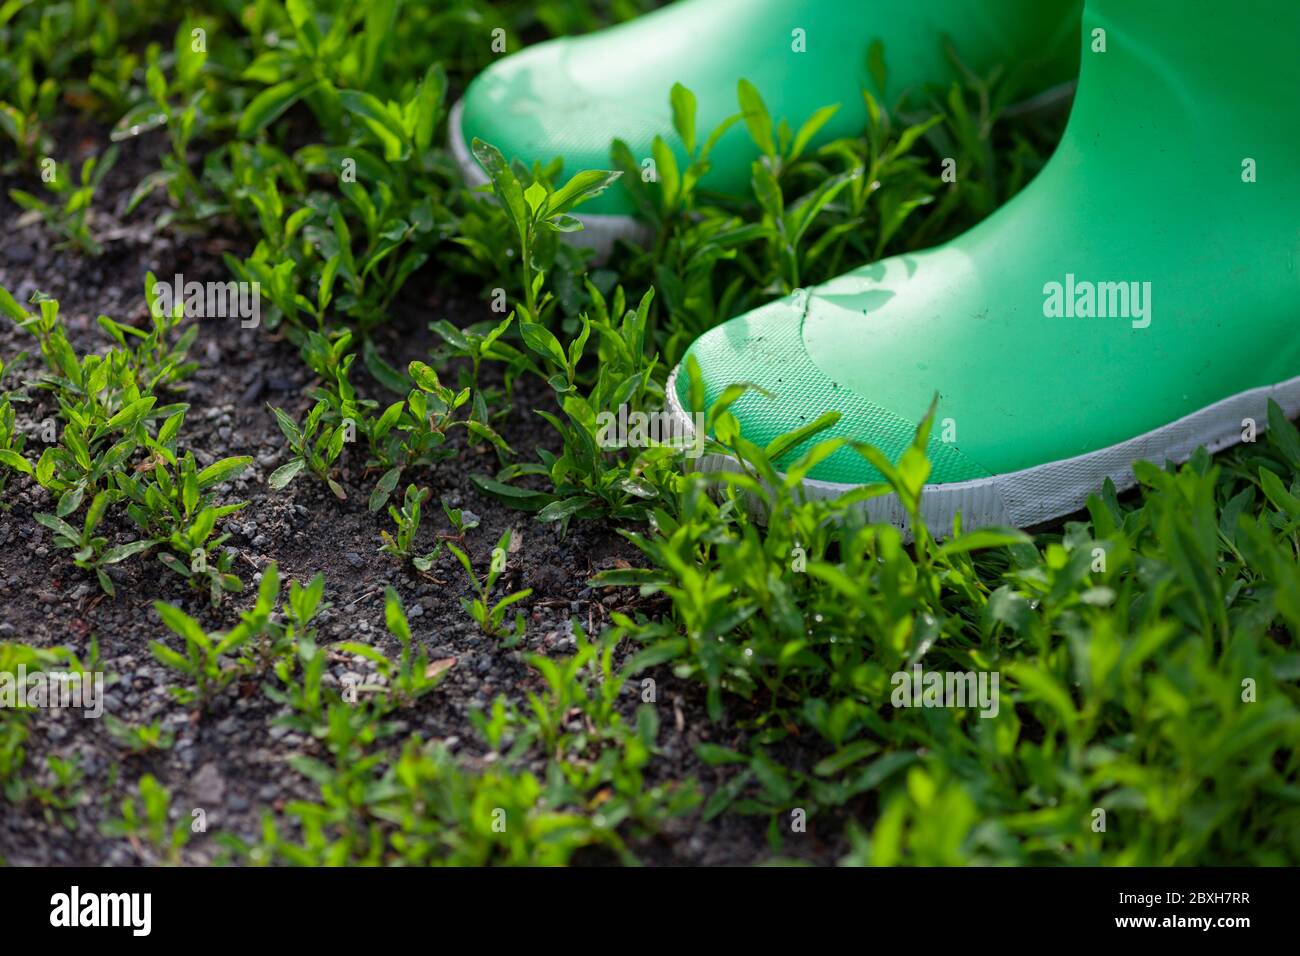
(1227,71)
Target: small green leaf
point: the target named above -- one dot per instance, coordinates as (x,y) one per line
(377,118)
(270,104)
(384,489)
(222,470)
(683,104)
(286,473)
(757,119)
(16,461)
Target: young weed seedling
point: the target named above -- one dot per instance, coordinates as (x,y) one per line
(315,446)
(145,818)
(91,551)
(12,440)
(462,519)
(176,507)
(412,675)
(536,208)
(407,519)
(68,215)
(275,637)
(206,659)
(489,616)
(139,739)
(159,362)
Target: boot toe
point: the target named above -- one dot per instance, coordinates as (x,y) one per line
(532,108)
(765,348)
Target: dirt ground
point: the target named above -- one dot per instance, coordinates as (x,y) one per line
(233,762)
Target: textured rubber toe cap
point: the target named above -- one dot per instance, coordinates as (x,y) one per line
(766,348)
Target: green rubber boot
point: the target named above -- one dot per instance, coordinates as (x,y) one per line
(1138,299)
(573,97)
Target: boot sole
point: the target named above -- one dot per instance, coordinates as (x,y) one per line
(1037,495)
(599,232)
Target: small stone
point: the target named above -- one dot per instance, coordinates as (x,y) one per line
(354,559)
(208,786)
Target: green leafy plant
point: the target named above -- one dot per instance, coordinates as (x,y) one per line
(288,645)
(535,208)
(421,805)
(414,432)
(275,637)
(138,739)
(16,785)
(91,551)
(377,234)
(106,413)
(207,659)
(202,563)
(158,361)
(411,676)
(407,519)
(316,446)
(461,519)
(174,494)
(184,107)
(61,790)
(594,475)
(146,819)
(676,194)
(489,616)
(68,214)
(12,440)
(478,343)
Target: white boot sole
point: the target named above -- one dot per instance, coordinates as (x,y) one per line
(1034,496)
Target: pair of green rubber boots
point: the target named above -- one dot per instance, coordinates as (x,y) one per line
(1138,299)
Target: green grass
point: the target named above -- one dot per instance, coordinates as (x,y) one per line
(1149,710)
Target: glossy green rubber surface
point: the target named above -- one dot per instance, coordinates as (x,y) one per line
(1147,186)
(572,97)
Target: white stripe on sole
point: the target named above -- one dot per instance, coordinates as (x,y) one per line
(1039,494)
